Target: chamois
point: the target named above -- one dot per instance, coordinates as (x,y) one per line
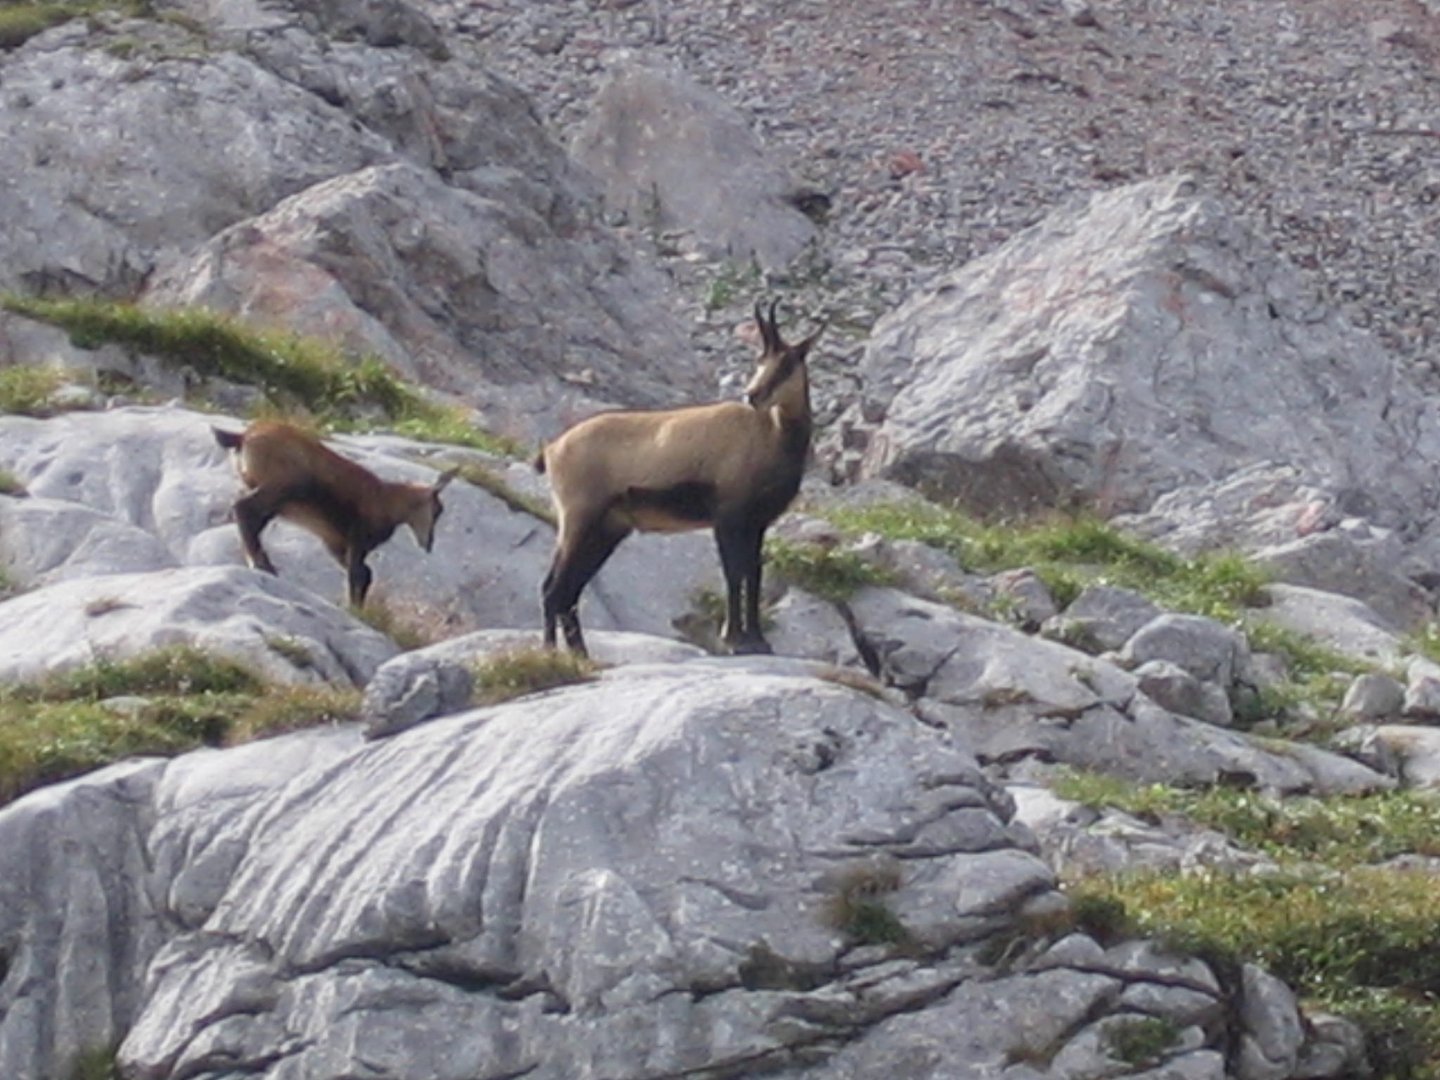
(732,466)
(292,474)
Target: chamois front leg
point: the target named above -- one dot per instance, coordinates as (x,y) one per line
(252,513)
(358,575)
(739,544)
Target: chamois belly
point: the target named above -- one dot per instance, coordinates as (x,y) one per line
(678,508)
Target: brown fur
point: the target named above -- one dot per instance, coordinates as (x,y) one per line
(292,474)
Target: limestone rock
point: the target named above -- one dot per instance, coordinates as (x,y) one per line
(278,629)
(675,156)
(1338,622)
(1208,650)
(1128,346)
(1101,619)
(482,297)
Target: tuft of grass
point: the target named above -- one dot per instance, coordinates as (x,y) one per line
(26,390)
(528,670)
(732,280)
(96,1064)
(409,625)
(833,574)
(857,908)
(294,372)
(1143,1040)
(1317,676)
(164,702)
(10,484)
(1069,553)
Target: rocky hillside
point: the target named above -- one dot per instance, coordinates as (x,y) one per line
(1101,739)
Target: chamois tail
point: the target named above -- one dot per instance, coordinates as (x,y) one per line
(230,440)
(539,462)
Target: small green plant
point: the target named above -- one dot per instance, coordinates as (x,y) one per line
(26,390)
(856,906)
(834,574)
(1143,1040)
(522,671)
(732,280)
(96,1064)
(10,484)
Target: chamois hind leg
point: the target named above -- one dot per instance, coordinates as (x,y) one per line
(739,543)
(252,513)
(580,551)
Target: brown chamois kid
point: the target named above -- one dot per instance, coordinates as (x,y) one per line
(732,466)
(292,474)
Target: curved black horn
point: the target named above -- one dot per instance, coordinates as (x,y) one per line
(766,329)
(769,335)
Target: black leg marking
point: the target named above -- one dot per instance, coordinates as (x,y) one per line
(358,577)
(576,562)
(739,544)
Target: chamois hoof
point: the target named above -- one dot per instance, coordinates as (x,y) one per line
(751,648)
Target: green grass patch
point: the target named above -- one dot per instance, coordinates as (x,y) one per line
(1342,832)
(856,906)
(97,1064)
(832,573)
(21,21)
(27,390)
(1068,554)
(522,671)
(1360,943)
(10,484)
(164,702)
(1353,935)
(294,372)
(1143,1040)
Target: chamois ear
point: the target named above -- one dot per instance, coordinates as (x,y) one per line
(444,478)
(803,347)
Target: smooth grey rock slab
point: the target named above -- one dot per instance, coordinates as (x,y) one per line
(282,632)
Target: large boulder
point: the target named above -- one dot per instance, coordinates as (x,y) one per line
(1130,345)
(566,884)
(480,296)
(672,155)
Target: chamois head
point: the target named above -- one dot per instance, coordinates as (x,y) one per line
(780,379)
(426,509)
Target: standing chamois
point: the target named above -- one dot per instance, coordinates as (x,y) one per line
(731,466)
(292,474)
